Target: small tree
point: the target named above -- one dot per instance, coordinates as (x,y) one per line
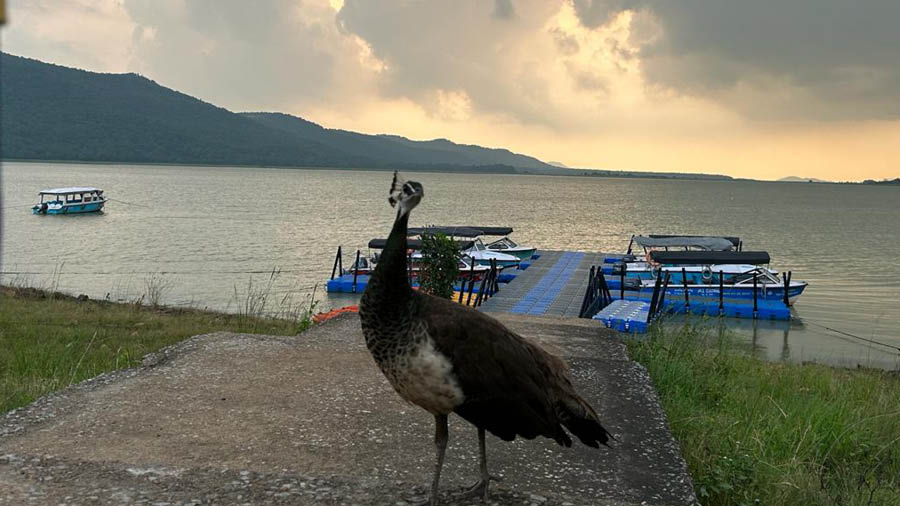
(440,265)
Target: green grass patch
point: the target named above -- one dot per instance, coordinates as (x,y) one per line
(756,432)
(50,340)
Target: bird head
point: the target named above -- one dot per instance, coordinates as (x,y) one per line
(406,194)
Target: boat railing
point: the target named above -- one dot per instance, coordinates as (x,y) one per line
(488,287)
(597,296)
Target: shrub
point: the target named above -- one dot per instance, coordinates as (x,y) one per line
(440,265)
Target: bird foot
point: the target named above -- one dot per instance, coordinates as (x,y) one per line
(422,501)
(480,490)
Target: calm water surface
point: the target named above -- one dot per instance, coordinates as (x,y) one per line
(210,232)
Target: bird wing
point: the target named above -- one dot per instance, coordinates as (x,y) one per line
(508,382)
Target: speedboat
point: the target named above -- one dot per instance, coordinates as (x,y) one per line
(366,265)
(72,200)
(467,269)
(478,251)
(510,247)
(483,256)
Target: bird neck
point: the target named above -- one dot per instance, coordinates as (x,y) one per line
(390,279)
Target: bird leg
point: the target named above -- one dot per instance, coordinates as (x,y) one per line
(440,443)
(480,488)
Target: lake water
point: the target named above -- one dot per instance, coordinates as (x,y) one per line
(204,234)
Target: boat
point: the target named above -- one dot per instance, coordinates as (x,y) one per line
(505,244)
(502,245)
(736,274)
(686,242)
(366,264)
(72,200)
(639,265)
(478,252)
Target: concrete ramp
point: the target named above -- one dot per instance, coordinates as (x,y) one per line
(249,419)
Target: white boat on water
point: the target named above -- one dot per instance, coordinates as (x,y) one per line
(467,269)
(479,252)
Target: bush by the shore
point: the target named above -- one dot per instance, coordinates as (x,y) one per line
(756,432)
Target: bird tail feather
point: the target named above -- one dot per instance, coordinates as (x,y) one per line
(580,419)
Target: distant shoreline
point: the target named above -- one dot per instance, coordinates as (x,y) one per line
(516,171)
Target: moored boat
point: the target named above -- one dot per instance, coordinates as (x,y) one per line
(736,274)
(478,251)
(72,200)
(737,283)
(366,264)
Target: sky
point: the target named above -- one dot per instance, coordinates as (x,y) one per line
(760,89)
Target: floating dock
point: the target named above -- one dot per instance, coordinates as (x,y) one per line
(555,284)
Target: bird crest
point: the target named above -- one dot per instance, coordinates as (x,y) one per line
(396,190)
(406,193)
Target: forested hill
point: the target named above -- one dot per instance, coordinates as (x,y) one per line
(51,112)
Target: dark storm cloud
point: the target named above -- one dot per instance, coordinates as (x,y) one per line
(819,59)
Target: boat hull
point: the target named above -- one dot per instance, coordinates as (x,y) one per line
(731,292)
(91,207)
(520,253)
(500,263)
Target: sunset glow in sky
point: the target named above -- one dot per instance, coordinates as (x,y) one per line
(761,89)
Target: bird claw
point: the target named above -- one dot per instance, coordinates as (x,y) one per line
(479,489)
(420,501)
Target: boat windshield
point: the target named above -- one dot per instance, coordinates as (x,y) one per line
(762,277)
(478,245)
(504,243)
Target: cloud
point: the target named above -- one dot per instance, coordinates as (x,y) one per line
(245,55)
(541,67)
(503,9)
(772,59)
(93,34)
(703,85)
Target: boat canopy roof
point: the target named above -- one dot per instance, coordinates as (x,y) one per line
(416,244)
(69,190)
(449,231)
(736,241)
(708,243)
(710,257)
(461,230)
(492,230)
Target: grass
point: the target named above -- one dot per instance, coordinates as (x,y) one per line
(755,432)
(50,340)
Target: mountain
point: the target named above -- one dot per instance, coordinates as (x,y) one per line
(796,179)
(50,112)
(393,147)
(558,164)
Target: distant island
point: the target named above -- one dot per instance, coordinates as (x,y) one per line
(56,113)
(895,181)
(795,179)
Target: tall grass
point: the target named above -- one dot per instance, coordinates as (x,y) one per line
(755,432)
(50,340)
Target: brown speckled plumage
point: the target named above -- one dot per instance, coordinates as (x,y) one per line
(448,358)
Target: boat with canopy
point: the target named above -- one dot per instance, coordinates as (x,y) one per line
(70,200)
(479,251)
